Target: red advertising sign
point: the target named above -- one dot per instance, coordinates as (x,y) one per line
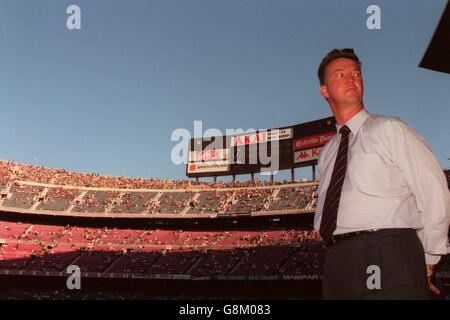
(313,141)
(307,155)
(260,137)
(208,155)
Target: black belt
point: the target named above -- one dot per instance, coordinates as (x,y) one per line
(338,238)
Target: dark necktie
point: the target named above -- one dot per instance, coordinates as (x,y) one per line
(331,205)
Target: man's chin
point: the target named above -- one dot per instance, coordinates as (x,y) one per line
(352,94)
(351,102)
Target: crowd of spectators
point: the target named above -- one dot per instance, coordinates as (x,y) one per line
(269,252)
(11,171)
(97,201)
(226,199)
(59,199)
(135,202)
(134,240)
(237,201)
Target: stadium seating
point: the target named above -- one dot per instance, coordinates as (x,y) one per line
(37,247)
(265,252)
(41,189)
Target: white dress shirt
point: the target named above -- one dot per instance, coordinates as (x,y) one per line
(392,181)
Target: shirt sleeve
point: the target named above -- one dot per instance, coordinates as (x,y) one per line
(427,183)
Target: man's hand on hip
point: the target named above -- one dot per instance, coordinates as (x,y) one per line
(430,272)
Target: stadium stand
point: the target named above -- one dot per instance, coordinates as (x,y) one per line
(112,251)
(36,189)
(217,252)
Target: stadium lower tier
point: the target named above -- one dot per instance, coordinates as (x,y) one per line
(36,260)
(31,249)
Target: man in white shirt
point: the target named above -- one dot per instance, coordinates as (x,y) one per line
(384,206)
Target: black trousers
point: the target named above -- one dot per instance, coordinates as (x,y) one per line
(387,264)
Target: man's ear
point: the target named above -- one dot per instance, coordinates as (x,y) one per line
(324,91)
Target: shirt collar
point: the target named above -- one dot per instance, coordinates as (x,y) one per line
(356,121)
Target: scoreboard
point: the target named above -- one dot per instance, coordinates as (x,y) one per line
(265,150)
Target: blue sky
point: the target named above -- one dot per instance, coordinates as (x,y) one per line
(106,98)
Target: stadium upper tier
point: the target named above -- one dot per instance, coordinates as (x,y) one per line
(39,190)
